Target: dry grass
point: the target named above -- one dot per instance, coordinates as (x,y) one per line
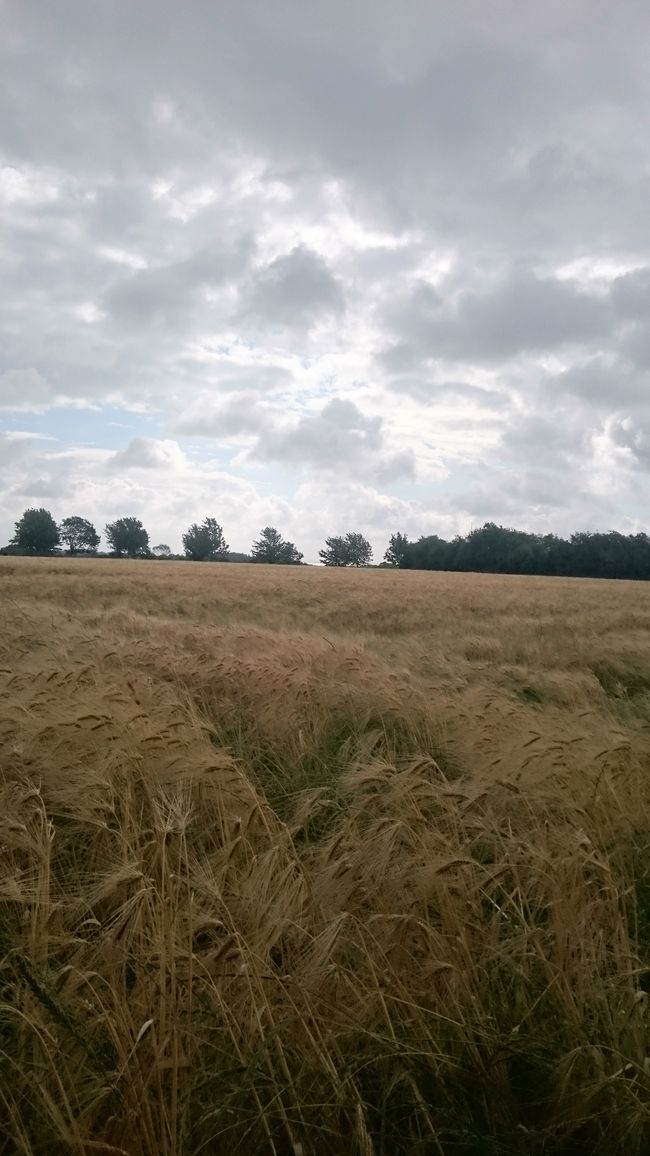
(304,862)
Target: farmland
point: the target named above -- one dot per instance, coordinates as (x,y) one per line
(305,861)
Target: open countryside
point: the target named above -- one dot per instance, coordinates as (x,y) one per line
(314,860)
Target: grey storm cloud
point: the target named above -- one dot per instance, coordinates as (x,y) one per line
(335,232)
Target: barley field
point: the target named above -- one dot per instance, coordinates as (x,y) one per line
(300,861)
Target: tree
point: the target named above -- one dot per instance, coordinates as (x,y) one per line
(79,535)
(272,547)
(359,550)
(36,532)
(397,550)
(205,543)
(335,552)
(162,551)
(127,536)
(352,550)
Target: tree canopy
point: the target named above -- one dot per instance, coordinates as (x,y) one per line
(498,549)
(79,535)
(352,550)
(396,550)
(272,547)
(127,536)
(205,542)
(36,532)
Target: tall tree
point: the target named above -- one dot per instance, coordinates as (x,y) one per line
(36,532)
(79,535)
(397,549)
(359,550)
(205,543)
(127,536)
(272,547)
(335,552)
(352,550)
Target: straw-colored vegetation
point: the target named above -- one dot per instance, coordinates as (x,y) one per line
(317,862)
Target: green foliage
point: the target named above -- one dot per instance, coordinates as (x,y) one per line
(494,549)
(272,547)
(79,535)
(127,536)
(36,532)
(161,551)
(397,548)
(205,543)
(352,550)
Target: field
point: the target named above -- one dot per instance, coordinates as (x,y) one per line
(310,862)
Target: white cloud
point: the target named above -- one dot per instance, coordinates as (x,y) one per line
(149,454)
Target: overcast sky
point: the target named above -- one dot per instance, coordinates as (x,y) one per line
(327,265)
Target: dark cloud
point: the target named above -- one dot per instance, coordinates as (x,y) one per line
(172,294)
(600,381)
(631,294)
(293,291)
(521,313)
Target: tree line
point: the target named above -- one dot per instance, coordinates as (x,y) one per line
(37,533)
(491,549)
(494,549)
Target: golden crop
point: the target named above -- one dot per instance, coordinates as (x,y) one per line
(304,861)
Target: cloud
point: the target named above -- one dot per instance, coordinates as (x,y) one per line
(294,291)
(399,249)
(520,313)
(338,438)
(23,389)
(600,381)
(148,454)
(170,295)
(633,438)
(235,416)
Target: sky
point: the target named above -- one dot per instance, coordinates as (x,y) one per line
(327,265)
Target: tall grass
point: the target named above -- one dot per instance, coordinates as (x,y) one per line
(299,862)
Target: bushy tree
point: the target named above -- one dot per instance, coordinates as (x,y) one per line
(79,535)
(127,536)
(205,543)
(397,549)
(36,532)
(352,550)
(272,547)
(162,551)
(334,553)
(359,550)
